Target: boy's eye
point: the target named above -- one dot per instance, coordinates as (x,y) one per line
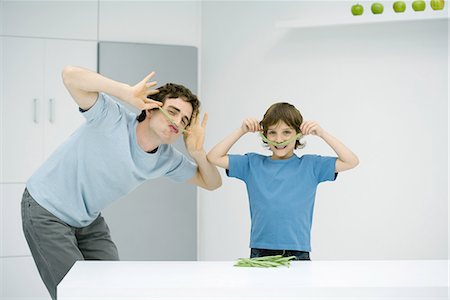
(271,132)
(287,132)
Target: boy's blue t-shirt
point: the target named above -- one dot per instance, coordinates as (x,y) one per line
(100,163)
(281,195)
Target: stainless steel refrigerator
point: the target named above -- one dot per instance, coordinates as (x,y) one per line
(158,220)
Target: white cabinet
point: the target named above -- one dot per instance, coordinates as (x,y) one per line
(50,19)
(20,279)
(37,111)
(13,242)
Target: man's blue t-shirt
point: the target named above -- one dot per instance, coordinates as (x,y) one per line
(281,195)
(99,163)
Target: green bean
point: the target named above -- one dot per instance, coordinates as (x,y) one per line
(272,261)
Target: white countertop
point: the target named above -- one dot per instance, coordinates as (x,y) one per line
(221,280)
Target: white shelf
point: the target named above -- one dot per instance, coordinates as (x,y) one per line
(366,18)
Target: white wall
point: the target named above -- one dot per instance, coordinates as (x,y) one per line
(380,88)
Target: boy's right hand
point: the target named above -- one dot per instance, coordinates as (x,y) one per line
(138,93)
(250,125)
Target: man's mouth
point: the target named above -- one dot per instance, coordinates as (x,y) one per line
(173,129)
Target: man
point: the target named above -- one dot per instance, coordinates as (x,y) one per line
(106,158)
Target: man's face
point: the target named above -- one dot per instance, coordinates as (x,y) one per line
(179,112)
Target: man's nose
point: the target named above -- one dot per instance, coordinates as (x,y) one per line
(178,121)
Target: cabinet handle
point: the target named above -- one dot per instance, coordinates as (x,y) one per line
(51,110)
(35,110)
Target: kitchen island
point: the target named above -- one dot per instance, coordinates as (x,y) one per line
(401,279)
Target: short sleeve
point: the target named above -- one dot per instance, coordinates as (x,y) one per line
(238,166)
(105,112)
(182,169)
(325,168)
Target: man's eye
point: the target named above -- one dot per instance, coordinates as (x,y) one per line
(171,112)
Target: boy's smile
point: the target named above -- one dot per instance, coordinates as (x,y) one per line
(280,133)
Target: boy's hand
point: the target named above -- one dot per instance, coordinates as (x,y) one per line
(311,127)
(138,93)
(250,125)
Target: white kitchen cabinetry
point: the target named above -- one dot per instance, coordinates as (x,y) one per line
(13,242)
(37,111)
(19,277)
(37,114)
(20,280)
(51,19)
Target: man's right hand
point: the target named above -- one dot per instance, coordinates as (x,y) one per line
(139,93)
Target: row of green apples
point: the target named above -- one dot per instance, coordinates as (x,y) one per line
(398,6)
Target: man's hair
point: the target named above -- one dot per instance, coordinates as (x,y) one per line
(172,90)
(285,112)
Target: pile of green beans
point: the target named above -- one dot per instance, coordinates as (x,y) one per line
(265,261)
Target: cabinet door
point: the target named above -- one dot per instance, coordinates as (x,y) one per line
(13,241)
(19,279)
(22,115)
(1,103)
(61,112)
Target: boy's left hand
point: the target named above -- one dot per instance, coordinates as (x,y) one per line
(311,127)
(194,137)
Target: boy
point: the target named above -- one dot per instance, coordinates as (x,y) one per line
(281,188)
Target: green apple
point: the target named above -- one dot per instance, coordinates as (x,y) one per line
(399,6)
(377,8)
(419,5)
(437,4)
(357,9)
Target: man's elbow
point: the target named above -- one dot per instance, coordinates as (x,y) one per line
(215,185)
(67,74)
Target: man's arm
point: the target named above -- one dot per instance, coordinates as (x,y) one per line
(84,86)
(219,154)
(207,175)
(346,158)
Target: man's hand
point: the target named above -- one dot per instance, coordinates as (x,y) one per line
(194,137)
(138,94)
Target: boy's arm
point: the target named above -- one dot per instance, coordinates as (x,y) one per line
(218,155)
(84,86)
(346,158)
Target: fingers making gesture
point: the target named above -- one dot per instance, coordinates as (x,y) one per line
(194,137)
(138,96)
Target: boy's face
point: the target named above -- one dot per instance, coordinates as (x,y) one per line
(179,111)
(279,133)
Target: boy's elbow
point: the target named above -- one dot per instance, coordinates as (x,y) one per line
(355,162)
